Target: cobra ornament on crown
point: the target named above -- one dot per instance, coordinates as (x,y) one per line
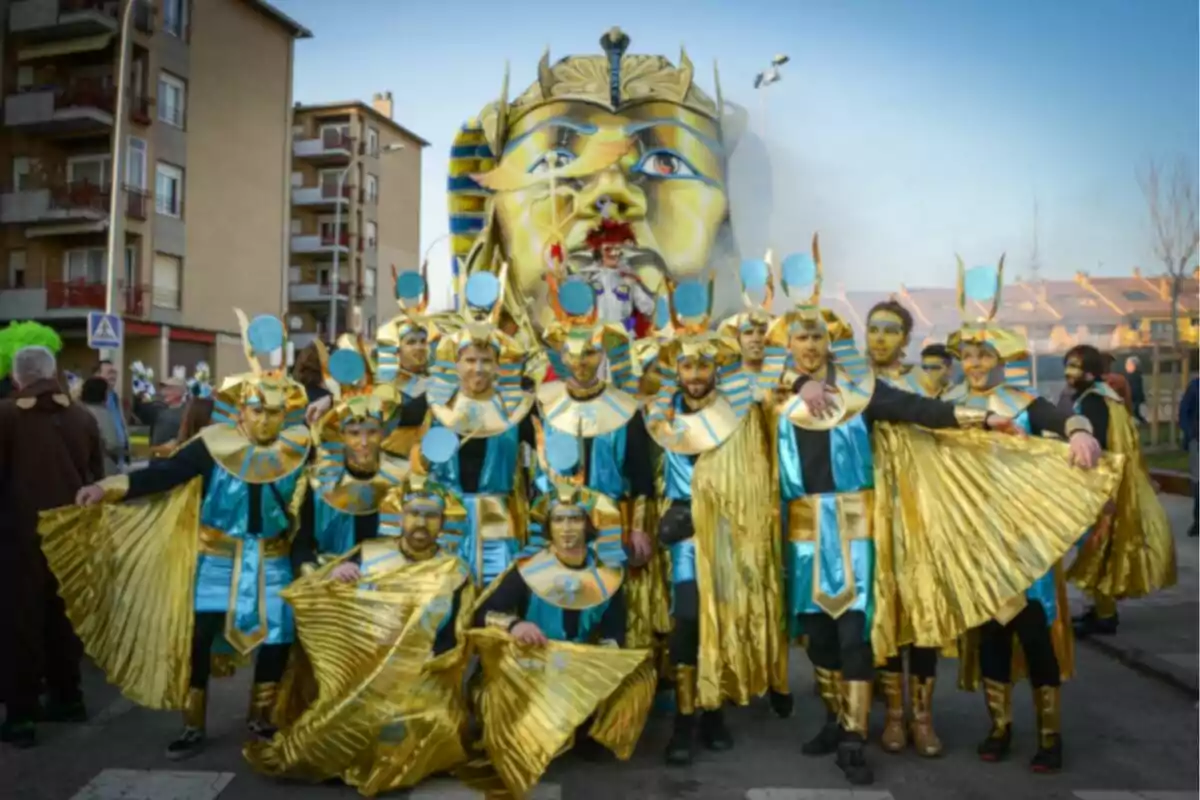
(597,141)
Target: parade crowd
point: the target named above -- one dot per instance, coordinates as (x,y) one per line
(456,550)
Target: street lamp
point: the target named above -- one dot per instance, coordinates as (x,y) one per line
(116,214)
(772,74)
(337,249)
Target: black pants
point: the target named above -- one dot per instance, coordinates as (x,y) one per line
(44,646)
(268,665)
(922,662)
(684,643)
(996,648)
(840,644)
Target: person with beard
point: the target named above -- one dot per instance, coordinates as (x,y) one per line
(603,419)
(476,390)
(1137,557)
(889,329)
(384,626)
(208,550)
(720,526)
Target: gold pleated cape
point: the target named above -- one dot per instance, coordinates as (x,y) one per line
(647,588)
(387,715)
(743,630)
(126,573)
(1137,557)
(965,522)
(534,698)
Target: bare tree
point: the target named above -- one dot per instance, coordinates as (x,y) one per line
(1171,200)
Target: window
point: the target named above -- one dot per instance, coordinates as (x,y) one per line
(335,136)
(135,175)
(96,170)
(16,269)
(130,268)
(167,272)
(372,142)
(369,282)
(371,235)
(175,17)
(168,190)
(329,227)
(297,179)
(1136,296)
(85,266)
(24,78)
(172,97)
(23,168)
(297,227)
(372,189)
(329,182)
(297,131)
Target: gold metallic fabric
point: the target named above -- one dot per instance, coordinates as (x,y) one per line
(126,573)
(499,621)
(965,521)
(685,689)
(970,417)
(195,709)
(829,686)
(1077,424)
(262,702)
(115,488)
(1138,555)
(534,699)
(743,632)
(854,519)
(386,715)
(1048,705)
(647,588)
(856,706)
(255,463)
(998,697)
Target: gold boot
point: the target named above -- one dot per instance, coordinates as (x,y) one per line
(829,687)
(856,707)
(260,718)
(1048,700)
(891,684)
(195,713)
(999,704)
(920,695)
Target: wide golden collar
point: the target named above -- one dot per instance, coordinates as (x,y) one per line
(698,432)
(852,393)
(1104,390)
(358,496)
(410,385)
(481,419)
(1004,400)
(255,463)
(572,589)
(383,555)
(606,412)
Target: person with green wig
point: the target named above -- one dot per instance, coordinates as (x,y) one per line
(18,335)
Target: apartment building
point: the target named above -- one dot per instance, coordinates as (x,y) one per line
(356,210)
(204,193)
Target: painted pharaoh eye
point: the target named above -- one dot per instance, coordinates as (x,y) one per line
(665,164)
(555,159)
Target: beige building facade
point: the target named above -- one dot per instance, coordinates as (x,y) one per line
(344,244)
(204,189)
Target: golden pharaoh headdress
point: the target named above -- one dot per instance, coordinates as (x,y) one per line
(412,297)
(576,329)
(438,446)
(757,276)
(481,298)
(982,287)
(267,386)
(358,396)
(561,461)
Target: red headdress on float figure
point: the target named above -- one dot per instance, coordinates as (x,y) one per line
(610,232)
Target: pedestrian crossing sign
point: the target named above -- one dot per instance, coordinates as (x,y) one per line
(104,331)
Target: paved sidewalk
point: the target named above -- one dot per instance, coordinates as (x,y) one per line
(1158,635)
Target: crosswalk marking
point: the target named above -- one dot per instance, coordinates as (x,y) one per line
(818,794)
(1137,794)
(136,784)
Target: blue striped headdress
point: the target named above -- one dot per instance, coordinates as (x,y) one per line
(982,286)
(576,328)
(268,386)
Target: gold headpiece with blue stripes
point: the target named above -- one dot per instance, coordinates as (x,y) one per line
(576,329)
(438,446)
(757,277)
(982,286)
(412,298)
(357,394)
(268,386)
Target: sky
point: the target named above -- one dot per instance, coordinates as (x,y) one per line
(903,131)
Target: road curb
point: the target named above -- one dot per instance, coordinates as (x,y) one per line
(1149,665)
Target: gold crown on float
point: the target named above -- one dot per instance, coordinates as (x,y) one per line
(350,377)
(268,386)
(613,80)
(984,285)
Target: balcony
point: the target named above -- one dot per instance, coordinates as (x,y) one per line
(77,297)
(78,107)
(137,203)
(324,196)
(315,243)
(330,147)
(60,20)
(75,201)
(317,292)
(139,110)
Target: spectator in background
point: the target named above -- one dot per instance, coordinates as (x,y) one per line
(1189,426)
(93,395)
(1117,382)
(196,416)
(173,393)
(1137,386)
(49,449)
(307,372)
(108,371)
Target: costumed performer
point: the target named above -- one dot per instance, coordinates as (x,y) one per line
(550,634)
(476,390)
(729,639)
(209,551)
(996,381)
(1137,557)
(383,627)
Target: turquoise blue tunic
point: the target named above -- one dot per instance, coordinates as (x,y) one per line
(853,471)
(226,508)
(549,617)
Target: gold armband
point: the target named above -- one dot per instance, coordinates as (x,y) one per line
(1078,424)
(115,488)
(970,417)
(637,519)
(495,619)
